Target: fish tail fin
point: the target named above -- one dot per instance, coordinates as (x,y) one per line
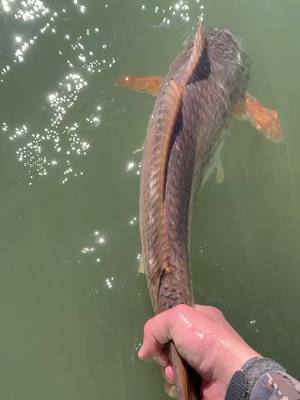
(186,386)
(196,53)
(199,44)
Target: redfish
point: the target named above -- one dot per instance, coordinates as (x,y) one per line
(205,87)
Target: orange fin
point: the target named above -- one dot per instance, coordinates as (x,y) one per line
(148,84)
(264,119)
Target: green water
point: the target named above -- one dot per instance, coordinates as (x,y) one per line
(71,305)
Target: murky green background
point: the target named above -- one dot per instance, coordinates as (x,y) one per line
(71,305)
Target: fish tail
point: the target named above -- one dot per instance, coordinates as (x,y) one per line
(186,386)
(197,51)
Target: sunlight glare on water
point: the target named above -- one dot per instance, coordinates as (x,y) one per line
(82,59)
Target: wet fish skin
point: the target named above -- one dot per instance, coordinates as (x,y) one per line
(207,103)
(197,118)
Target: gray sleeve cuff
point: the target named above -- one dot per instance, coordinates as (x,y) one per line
(242,382)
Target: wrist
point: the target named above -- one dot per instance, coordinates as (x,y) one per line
(232,360)
(239,359)
(225,361)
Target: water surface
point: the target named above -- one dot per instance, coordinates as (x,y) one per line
(72,306)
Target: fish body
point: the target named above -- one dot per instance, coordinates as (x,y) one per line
(170,177)
(196,101)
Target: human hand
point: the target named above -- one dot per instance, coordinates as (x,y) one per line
(204,339)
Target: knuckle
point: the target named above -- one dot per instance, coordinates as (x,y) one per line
(215,312)
(181,312)
(181,309)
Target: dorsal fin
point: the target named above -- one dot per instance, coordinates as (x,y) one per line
(196,53)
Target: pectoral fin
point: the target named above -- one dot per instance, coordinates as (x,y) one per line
(147,84)
(265,120)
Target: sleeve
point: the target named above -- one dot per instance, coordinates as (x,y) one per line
(262,379)
(275,385)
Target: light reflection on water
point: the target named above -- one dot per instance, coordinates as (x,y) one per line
(64,138)
(27,10)
(178,11)
(94,246)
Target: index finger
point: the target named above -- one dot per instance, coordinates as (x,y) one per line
(159,330)
(155,336)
